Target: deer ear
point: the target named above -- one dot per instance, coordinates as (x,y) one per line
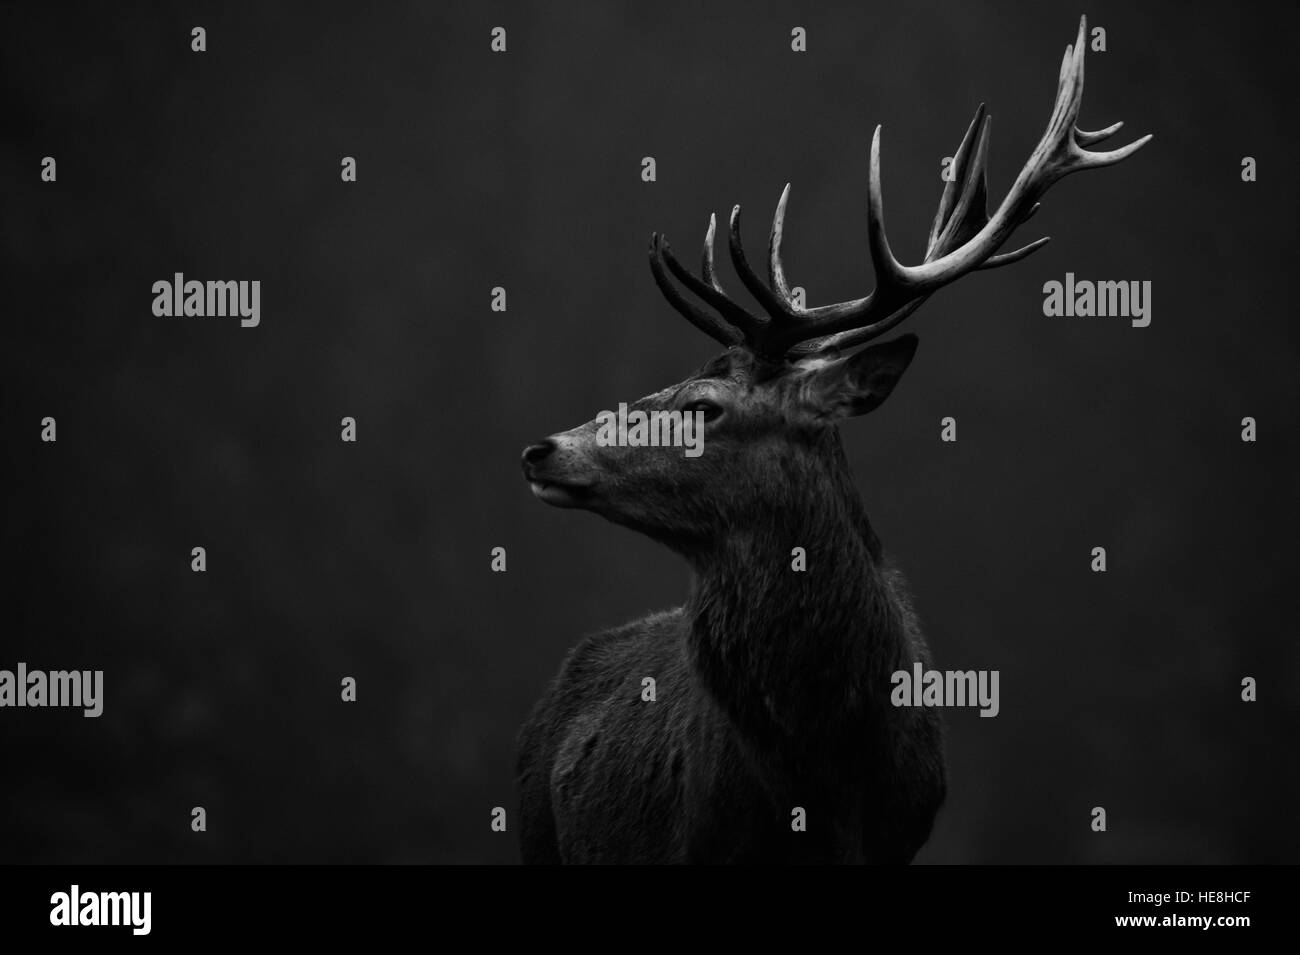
(861,382)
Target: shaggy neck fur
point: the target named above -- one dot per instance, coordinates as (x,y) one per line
(799,660)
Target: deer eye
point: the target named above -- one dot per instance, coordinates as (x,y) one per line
(711,409)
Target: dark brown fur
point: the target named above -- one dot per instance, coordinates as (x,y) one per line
(772,685)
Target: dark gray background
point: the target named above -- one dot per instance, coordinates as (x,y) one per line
(522,170)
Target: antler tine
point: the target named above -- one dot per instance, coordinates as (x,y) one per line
(947,200)
(769,299)
(707,271)
(963,196)
(709,289)
(970,214)
(709,324)
(891,279)
(775,270)
(1089,139)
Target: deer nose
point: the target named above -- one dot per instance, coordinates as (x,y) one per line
(534,453)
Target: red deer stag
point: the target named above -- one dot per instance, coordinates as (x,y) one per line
(771,685)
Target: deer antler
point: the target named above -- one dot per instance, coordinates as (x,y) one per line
(964,238)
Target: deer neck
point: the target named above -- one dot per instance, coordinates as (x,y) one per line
(795,654)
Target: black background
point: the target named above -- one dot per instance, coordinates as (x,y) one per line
(523,170)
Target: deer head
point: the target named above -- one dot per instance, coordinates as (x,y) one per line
(769,403)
